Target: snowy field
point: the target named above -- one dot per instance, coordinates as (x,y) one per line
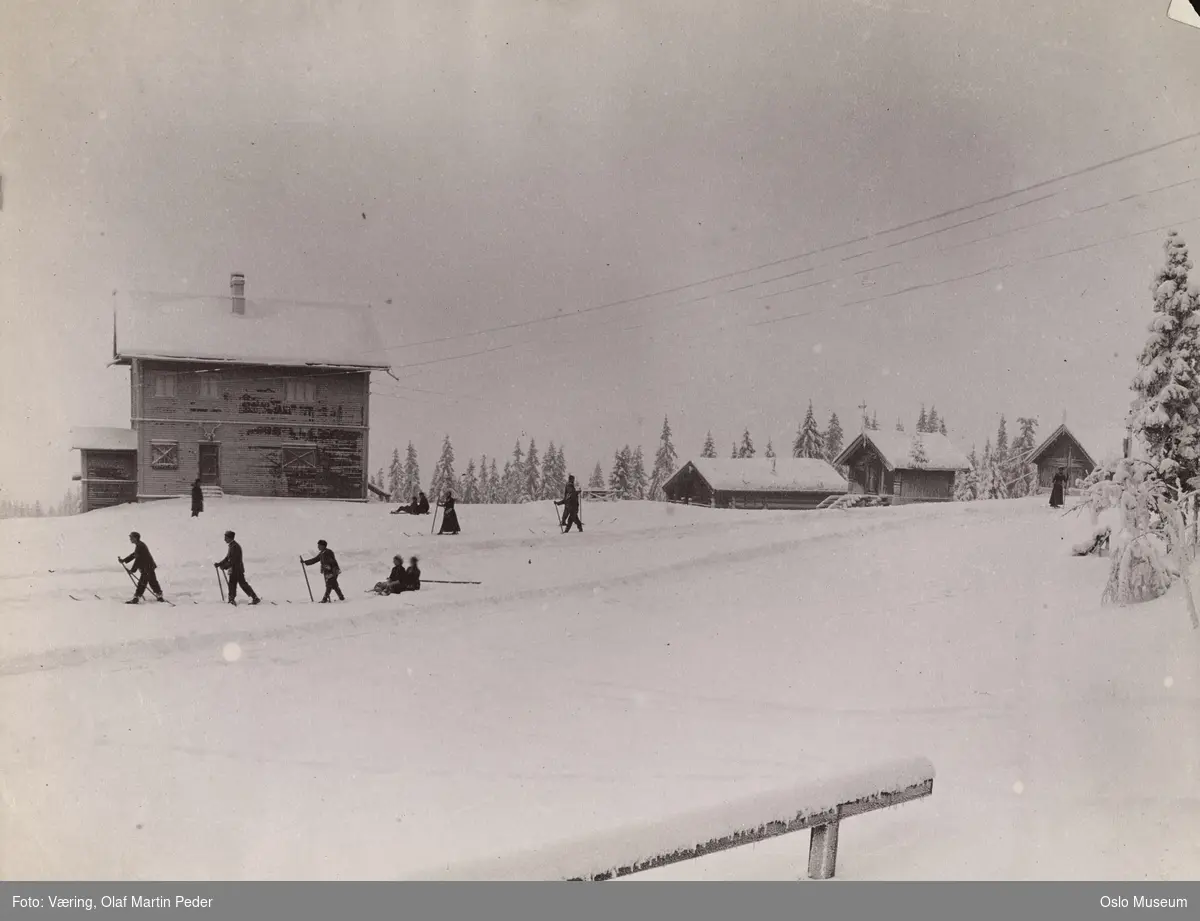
(667,659)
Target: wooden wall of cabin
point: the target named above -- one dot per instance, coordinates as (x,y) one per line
(689,487)
(278,431)
(869,475)
(924,484)
(1062,453)
(753,499)
(107,478)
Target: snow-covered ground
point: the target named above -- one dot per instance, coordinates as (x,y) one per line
(667,659)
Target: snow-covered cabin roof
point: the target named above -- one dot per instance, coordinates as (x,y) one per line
(896,450)
(185,328)
(767,474)
(1049,440)
(90,438)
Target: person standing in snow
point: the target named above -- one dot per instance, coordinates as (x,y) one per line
(197,498)
(570,504)
(237,571)
(329,569)
(1056,491)
(450,517)
(143,563)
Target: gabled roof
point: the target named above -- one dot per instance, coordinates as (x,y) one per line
(185,328)
(91,438)
(1053,436)
(895,448)
(766,474)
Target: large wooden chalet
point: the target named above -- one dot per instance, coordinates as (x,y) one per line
(885,464)
(767,482)
(256,398)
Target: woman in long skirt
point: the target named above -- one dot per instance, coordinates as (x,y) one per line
(1056,491)
(449,516)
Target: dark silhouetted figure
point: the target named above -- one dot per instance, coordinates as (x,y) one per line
(570,504)
(1056,491)
(197,498)
(329,569)
(450,517)
(237,570)
(144,564)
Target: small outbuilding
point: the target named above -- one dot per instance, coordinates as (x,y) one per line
(1061,450)
(908,468)
(753,482)
(108,466)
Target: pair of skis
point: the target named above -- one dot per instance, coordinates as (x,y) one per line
(135,583)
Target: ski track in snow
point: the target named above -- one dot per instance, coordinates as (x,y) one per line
(666,659)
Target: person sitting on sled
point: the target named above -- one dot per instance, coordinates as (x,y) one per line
(414,575)
(397,580)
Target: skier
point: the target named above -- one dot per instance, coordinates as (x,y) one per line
(416,507)
(197,498)
(570,503)
(237,571)
(143,563)
(1056,492)
(329,569)
(450,518)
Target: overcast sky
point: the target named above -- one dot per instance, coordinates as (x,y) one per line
(518,161)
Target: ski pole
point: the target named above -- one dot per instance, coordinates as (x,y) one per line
(127,572)
(433,524)
(449,582)
(220,583)
(304,569)
(557,518)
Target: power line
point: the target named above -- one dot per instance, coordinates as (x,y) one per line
(822,249)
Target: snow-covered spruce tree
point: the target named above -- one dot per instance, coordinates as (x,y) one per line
(808,437)
(597,480)
(941,426)
(495,491)
(1166,414)
(932,423)
(469,487)
(832,439)
(874,426)
(746,448)
(1024,472)
(770,452)
(733,455)
(395,479)
(709,449)
(922,421)
(1002,460)
(514,475)
(444,480)
(554,481)
(619,478)
(987,472)
(966,482)
(531,489)
(665,461)
(900,426)
(410,485)
(916,451)
(638,481)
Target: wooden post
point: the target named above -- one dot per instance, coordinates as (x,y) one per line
(822,851)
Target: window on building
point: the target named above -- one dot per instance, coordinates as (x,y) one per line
(164,455)
(302,391)
(300,457)
(163,383)
(210,385)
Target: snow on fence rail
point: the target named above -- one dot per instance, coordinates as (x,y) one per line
(820,807)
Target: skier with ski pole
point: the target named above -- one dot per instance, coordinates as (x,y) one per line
(329,569)
(144,563)
(237,571)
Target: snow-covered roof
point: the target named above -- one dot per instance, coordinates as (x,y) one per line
(181,327)
(1101,443)
(103,439)
(766,474)
(896,450)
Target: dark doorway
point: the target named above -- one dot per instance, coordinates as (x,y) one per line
(210,463)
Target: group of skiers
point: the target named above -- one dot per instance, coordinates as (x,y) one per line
(399,580)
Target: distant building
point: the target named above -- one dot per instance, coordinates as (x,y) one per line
(256,398)
(1062,450)
(885,464)
(773,483)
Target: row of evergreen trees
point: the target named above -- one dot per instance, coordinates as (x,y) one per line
(69,505)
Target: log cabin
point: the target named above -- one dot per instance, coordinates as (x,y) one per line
(253,397)
(1062,450)
(759,483)
(888,464)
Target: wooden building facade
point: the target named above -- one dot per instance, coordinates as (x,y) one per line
(253,398)
(108,466)
(1062,451)
(888,464)
(758,483)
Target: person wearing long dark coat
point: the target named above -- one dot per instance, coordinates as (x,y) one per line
(449,516)
(197,499)
(144,564)
(1056,491)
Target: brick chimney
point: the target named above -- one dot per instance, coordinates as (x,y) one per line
(237,290)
